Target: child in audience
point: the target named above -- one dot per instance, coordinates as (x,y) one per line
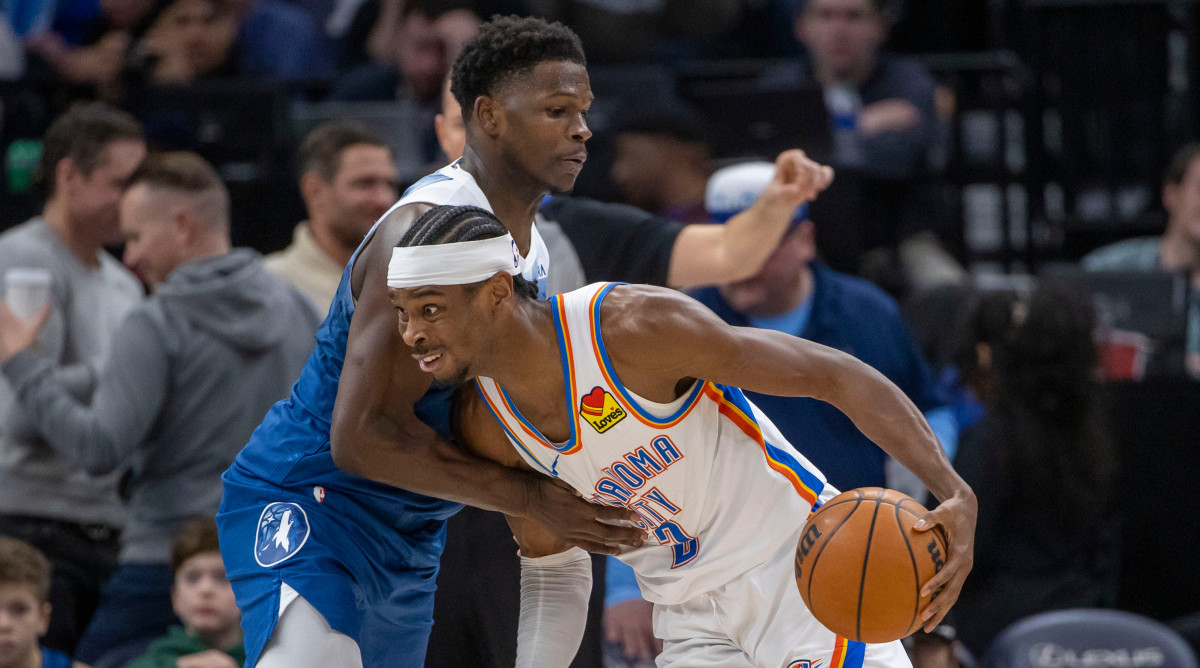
(211,636)
(25,608)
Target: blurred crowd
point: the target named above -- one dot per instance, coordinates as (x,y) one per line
(161,294)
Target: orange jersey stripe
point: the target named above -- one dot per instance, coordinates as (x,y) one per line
(750,428)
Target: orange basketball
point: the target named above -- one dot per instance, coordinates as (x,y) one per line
(860,565)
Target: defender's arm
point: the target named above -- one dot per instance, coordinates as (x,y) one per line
(376,434)
(556,579)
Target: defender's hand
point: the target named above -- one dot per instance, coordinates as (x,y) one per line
(575,521)
(956,516)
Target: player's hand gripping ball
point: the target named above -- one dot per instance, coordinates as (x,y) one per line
(860,565)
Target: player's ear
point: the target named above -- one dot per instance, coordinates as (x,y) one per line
(500,291)
(489,114)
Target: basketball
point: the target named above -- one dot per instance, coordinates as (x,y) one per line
(860,565)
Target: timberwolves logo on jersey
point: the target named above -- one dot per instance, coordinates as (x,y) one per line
(600,410)
(282,531)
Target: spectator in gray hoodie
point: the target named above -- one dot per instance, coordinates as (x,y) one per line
(192,371)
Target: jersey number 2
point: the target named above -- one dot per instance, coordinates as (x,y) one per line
(684,548)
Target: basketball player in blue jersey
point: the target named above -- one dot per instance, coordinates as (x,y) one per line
(329,532)
(654,421)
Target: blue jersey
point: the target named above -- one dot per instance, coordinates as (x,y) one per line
(291,446)
(365,554)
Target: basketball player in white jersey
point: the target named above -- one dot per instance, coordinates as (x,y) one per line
(629,395)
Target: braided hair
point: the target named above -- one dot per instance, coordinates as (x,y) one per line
(1045,417)
(456,224)
(507,46)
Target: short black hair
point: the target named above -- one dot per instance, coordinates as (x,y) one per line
(1181,160)
(82,134)
(456,224)
(322,148)
(507,46)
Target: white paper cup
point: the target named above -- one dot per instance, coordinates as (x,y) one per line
(26,290)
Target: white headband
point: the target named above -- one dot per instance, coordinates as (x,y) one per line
(453,264)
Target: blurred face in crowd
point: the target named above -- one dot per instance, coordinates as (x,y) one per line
(23,619)
(125,13)
(1182,202)
(449,126)
(843,37)
(641,162)
(155,224)
(362,190)
(203,599)
(421,56)
(91,199)
(784,280)
(539,121)
(196,31)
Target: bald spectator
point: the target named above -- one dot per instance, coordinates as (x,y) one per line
(48,498)
(191,373)
(348,180)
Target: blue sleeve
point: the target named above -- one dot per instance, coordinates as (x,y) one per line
(620,584)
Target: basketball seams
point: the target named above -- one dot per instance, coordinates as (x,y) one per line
(812,569)
(862,582)
(886,607)
(912,558)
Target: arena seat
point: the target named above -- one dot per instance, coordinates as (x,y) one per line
(1088,639)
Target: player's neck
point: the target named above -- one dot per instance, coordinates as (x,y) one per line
(514,199)
(526,359)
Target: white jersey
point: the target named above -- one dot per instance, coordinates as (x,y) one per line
(452,185)
(717,487)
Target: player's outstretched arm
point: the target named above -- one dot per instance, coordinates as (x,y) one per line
(556,579)
(658,339)
(715,254)
(376,434)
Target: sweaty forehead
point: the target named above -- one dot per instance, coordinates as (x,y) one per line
(558,77)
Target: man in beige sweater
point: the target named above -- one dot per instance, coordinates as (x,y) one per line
(348,180)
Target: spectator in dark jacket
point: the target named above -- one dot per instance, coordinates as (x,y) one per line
(794,293)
